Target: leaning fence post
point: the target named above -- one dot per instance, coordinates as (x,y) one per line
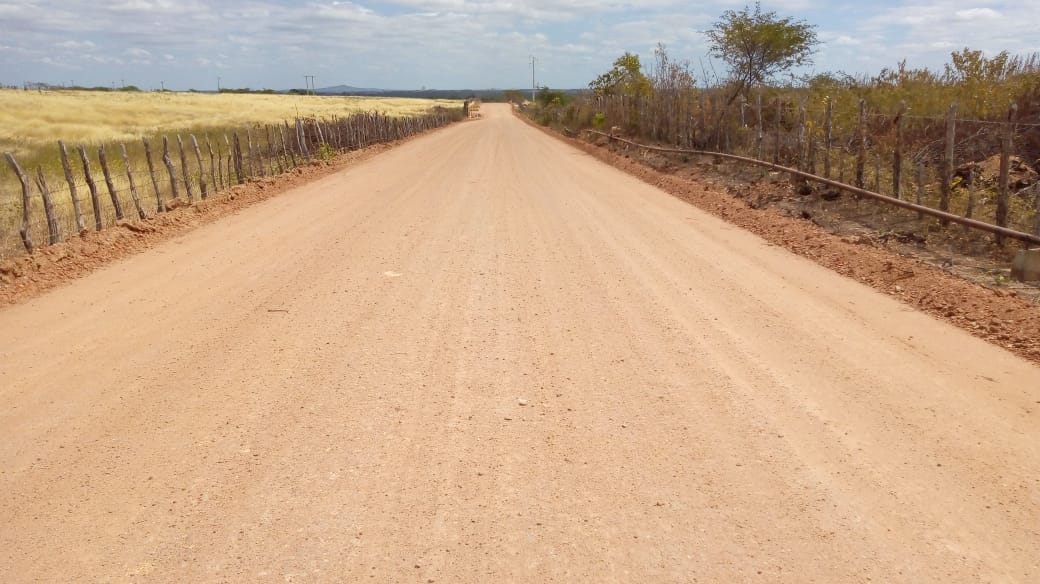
(170,170)
(94,202)
(184,170)
(80,227)
(212,164)
(301,135)
(130,178)
(26,201)
(1006,144)
(285,151)
(198,160)
(897,158)
(238,159)
(53,234)
(159,206)
(946,180)
(230,158)
(112,193)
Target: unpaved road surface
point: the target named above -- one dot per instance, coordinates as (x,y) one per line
(486,357)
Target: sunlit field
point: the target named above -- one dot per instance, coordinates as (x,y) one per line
(30,120)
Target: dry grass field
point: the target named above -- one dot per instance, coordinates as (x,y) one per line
(34,120)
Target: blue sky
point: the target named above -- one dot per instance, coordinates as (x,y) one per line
(408,44)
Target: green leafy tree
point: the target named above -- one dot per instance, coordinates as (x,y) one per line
(757,46)
(625,78)
(551,97)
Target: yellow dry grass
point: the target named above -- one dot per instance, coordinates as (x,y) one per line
(30,120)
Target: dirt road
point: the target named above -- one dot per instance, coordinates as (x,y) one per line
(486,357)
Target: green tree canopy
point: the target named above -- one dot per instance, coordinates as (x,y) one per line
(625,78)
(757,46)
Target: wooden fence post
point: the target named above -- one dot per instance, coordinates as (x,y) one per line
(130,178)
(1006,144)
(212,165)
(250,156)
(321,137)
(94,202)
(877,173)
(198,160)
(759,134)
(53,234)
(301,135)
(779,113)
(946,180)
(279,148)
(861,154)
(920,188)
(80,227)
(970,212)
(828,137)
(112,193)
(286,143)
(184,170)
(26,201)
(1036,205)
(238,159)
(230,157)
(159,206)
(170,170)
(812,153)
(272,151)
(897,158)
(801,135)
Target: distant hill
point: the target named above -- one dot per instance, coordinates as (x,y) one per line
(347,90)
(484,94)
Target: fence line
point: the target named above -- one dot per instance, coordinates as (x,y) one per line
(52,214)
(963,167)
(921,209)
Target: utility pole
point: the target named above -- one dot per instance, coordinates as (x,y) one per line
(218,84)
(534,86)
(308,81)
(162,86)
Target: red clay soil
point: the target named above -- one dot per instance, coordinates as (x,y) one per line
(26,276)
(998,316)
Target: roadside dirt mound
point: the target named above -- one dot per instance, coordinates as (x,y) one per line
(26,276)
(987,172)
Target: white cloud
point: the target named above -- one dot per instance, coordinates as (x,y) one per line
(76,45)
(977,14)
(445,43)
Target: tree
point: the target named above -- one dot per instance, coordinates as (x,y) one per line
(551,97)
(757,46)
(513,95)
(626,78)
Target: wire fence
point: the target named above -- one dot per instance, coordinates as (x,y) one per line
(978,169)
(89,189)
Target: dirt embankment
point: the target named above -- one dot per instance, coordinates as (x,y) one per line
(26,276)
(1000,316)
